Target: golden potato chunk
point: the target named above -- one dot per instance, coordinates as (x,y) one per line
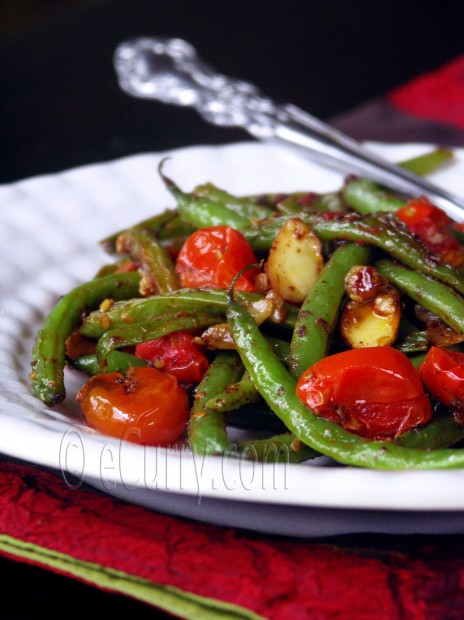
(375,321)
(295,260)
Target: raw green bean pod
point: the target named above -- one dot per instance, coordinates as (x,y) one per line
(278,388)
(319,311)
(49,351)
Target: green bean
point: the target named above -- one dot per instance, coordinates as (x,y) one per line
(235,395)
(269,199)
(416,360)
(153,223)
(426,163)
(241,205)
(413,343)
(278,388)
(207,433)
(281,348)
(213,301)
(48,355)
(202,212)
(118,361)
(152,260)
(136,333)
(173,230)
(118,266)
(365,196)
(378,231)
(244,391)
(319,311)
(430,294)
(329,202)
(440,432)
(277,449)
(311,202)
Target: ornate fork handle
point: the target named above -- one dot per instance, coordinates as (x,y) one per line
(170,71)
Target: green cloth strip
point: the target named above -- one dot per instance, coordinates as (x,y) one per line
(173,600)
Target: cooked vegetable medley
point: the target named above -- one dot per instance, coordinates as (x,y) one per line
(325,324)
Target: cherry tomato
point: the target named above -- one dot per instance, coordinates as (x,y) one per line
(212,257)
(442,372)
(176,353)
(374,392)
(433,226)
(146,406)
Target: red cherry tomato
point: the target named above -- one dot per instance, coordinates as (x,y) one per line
(442,372)
(146,406)
(212,257)
(433,226)
(176,354)
(374,392)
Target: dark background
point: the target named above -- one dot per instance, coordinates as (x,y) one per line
(61,107)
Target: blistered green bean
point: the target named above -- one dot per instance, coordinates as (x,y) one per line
(153,261)
(207,433)
(212,301)
(278,388)
(379,231)
(49,351)
(202,212)
(440,299)
(241,205)
(117,361)
(319,311)
(136,333)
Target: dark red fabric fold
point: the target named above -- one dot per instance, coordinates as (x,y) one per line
(438,95)
(275,577)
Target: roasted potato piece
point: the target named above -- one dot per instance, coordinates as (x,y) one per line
(371,317)
(295,260)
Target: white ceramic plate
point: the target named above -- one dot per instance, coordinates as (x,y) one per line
(49,232)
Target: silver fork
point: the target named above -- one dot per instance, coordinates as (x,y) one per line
(170,70)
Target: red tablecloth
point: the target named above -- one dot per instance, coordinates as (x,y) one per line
(201,571)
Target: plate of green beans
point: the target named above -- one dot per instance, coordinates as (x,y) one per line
(286,424)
